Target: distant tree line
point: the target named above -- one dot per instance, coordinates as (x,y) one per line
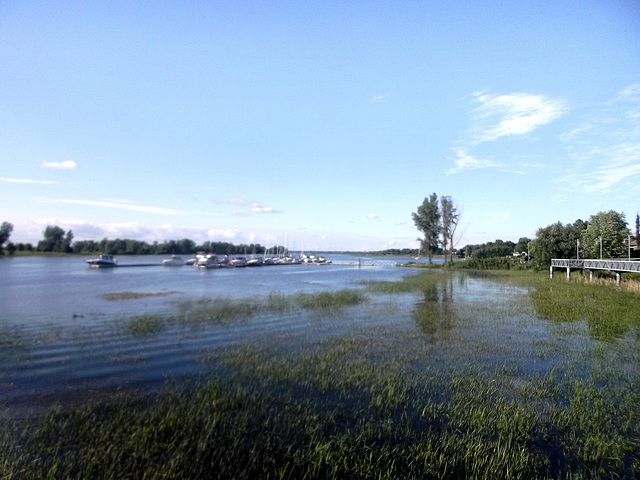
(396,252)
(498,248)
(58,240)
(170,247)
(604,235)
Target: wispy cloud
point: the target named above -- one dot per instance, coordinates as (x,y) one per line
(372,216)
(379,98)
(251,207)
(119,205)
(464,161)
(258,208)
(497,116)
(27,180)
(605,147)
(68,165)
(513,114)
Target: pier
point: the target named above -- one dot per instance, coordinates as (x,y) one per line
(614,265)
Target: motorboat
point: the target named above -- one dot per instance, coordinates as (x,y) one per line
(254,262)
(174,261)
(207,260)
(103,261)
(238,262)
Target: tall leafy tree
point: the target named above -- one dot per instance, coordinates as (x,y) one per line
(556,241)
(427,220)
(5,232)
(607,231)
(450,218)
(53,239)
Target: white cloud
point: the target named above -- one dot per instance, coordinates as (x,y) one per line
(122,206)
(372,216)
(67,165)
(464,161)
(257,208)
(498,116)
(379,98)
(605,147)
(27,180)
(513,114)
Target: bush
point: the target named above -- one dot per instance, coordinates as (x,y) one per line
(492,263)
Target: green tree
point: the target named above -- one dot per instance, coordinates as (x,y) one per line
(523,245)
(450,218)
(606,232)
(53,240)
(5,232)
(555,241)
(427,220)
(66,242)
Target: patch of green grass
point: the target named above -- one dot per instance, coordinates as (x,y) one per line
(608,311)
(197,313)
(133,295)
(347,409)
(329,300)
(146,325)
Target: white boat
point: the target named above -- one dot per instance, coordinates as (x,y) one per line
(238,262)
(102,261)
(207,260)
(254,262)
(174,261)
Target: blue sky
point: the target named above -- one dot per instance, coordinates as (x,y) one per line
(322,123)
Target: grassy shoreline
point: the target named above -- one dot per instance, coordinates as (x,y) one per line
(431,399)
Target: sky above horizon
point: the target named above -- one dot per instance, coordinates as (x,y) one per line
(320,124)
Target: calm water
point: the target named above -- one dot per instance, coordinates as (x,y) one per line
(59,335)
(62,340)
(44,290)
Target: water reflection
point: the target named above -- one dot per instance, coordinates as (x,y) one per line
(435,314)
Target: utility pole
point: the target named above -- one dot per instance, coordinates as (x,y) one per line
(600,248)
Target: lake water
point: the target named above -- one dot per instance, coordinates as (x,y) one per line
(62,340)
(60,334)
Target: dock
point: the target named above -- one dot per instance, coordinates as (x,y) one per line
(614,265)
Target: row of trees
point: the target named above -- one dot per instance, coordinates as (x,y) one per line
(499,248)
(604,235)
(438,220)
(58,240)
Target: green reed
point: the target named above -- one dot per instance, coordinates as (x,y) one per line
(197,313)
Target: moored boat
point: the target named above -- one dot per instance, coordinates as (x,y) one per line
(102,261)
(174,261)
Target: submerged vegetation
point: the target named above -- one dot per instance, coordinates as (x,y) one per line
(522,378)
(196,313)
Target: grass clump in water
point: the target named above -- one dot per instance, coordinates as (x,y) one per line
(329,300)
(609,312)
(146,325)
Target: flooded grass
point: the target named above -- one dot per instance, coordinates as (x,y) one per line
(116,296)
(510,380)
(197,313)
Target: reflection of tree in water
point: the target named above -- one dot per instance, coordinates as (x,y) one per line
(435,314)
